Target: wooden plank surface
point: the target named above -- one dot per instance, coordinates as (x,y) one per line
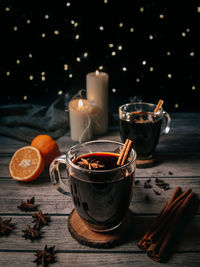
(179,165)
(144,200)
(127,259)
(56,233)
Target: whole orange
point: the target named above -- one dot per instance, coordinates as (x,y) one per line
(47,147)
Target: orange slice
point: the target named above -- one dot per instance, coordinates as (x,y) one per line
(26,164)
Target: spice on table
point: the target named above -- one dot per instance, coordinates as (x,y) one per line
(160,183)
(156,192)
(31,233)
(157,239)
(147,184)
(143,244)
(28,205)
(40,219)
(45,256)
(5,226)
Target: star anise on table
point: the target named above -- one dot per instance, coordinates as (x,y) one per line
(40,219)
(45,256)
(147,184)
(5,226)
(156,192)
(90,164)
(28,205)
(31,233)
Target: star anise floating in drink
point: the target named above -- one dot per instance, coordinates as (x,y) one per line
(45,256)
(5,226)
(28,205)
(90,163)
(31,233)
(40,219)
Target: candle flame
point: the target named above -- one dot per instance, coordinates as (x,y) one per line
(97,72)
(80,103)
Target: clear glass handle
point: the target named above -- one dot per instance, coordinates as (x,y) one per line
(55,175)
(167,118)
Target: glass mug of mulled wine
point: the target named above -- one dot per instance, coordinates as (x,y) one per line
(140,123)
(101,190)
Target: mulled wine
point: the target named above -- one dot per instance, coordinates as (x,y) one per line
(144,130)
(100,187)
(101,191)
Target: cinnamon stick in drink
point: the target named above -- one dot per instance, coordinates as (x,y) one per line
(122,152)
(159,105)
(125,152)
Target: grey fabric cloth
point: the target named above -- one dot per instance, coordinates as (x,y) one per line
(25,121)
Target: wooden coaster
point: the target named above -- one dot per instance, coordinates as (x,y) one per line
(85,236)
(146,162)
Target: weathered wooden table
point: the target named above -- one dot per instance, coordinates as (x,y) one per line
(179,155)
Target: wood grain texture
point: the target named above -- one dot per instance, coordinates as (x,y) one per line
(184,143)
(56,233)
(179,165)
(82,234)
(128,259)
(144,200)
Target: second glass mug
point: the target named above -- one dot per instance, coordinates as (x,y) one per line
(139,123)
(100,197)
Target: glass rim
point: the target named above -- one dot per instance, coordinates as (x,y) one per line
(100,171)
(138,103)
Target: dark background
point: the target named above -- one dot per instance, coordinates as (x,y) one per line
(158,42)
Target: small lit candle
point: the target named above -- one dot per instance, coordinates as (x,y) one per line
(80,114)
(97,93)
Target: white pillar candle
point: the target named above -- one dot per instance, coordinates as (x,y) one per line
(80,115)
(97,92)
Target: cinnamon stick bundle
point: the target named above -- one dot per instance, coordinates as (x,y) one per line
(156,240)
